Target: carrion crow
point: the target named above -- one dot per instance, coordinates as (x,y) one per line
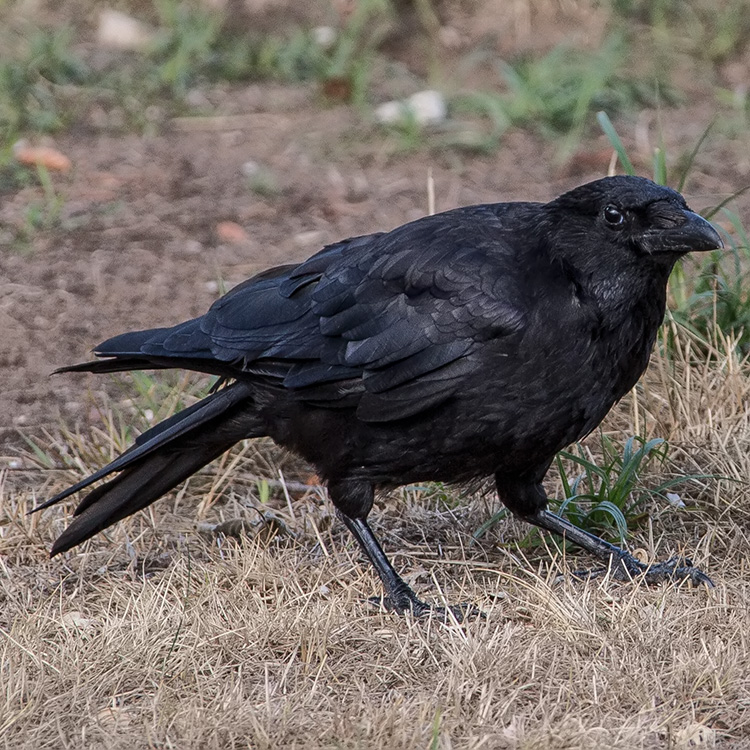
(468,344)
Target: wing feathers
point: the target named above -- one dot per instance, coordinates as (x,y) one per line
(391,319)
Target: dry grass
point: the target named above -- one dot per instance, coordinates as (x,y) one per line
(164,636)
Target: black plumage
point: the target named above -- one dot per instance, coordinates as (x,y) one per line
(473,343)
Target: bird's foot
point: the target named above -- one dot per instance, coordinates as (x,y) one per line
(403,601)
(625,567)
(462,613)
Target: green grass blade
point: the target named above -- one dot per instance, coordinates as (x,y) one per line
(589,466)
(605,506)
(563,477)
(41,455)
(660,166)
(489,523)
(715,210)
(609,130)
(693,154)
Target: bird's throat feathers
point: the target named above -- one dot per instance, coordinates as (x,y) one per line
(617,284)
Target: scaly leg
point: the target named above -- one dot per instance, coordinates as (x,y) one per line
(353,501)
(622,564)
(528,501)
(398,595)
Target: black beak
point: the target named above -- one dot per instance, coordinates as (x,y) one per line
(694,234)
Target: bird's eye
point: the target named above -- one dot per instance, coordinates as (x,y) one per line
(613,216)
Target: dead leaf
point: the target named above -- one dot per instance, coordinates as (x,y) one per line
(231,233)
(42,156)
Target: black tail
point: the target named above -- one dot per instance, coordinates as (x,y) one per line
(161,458)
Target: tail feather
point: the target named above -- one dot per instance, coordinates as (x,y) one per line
(131,491)
(161,458)
(113,364)
(162,434)
(122,353)
(145,350)
(128,362)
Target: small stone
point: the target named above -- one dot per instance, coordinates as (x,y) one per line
(251,168)
(324,36)
(192,247)
(389,113)
(41,156)
(425,108)
(429,107)
(674,499)
(121,31)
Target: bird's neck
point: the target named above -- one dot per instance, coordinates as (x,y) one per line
(622,297)
(621,288)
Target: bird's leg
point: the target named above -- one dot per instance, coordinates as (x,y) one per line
(528,502)
(353,501)
(620,562)
(398,595)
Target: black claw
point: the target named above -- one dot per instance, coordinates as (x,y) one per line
(400,605)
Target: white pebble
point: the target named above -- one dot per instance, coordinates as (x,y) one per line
(390,113)
(426,107)
(192,247)
(120,31)
(251,168)
(429,107)
(324,36)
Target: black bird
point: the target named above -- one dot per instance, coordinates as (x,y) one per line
(468,344)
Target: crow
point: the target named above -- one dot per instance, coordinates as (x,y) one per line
(469,344)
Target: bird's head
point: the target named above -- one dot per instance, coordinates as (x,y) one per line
(636,216)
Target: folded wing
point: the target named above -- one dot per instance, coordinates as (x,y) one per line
(390,323)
